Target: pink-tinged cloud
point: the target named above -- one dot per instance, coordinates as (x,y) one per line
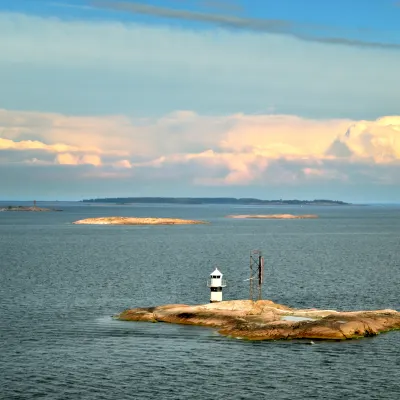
(207,150)
(7,144)
(379,140)
(67,159)
(92,159)
(73,159)
(324,174)
(123,164)
(282,135)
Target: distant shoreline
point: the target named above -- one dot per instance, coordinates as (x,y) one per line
(215,200)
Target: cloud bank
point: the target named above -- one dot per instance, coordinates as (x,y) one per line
(205,151)
(99,67)
(277,26)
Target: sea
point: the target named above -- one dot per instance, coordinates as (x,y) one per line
(61,284)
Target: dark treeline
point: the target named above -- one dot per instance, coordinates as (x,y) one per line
(211,200)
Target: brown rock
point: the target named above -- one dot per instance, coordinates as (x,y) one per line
(136,221)
(266,320)
(273,216)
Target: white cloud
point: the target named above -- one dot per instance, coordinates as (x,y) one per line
(379,140)
(122,164)
(236,150)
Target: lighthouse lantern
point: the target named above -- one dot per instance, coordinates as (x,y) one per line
(216,283)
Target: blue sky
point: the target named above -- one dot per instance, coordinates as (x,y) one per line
(211,97)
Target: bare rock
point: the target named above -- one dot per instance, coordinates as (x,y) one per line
(136,221)
(273,216)
(266,320)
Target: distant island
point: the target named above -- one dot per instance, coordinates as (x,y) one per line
(273,216)
(136,221)
(25,208)
(214,200)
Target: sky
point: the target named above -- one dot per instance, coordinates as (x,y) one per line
(204,98)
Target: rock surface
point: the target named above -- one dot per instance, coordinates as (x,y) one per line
(274,216)
(136,221)
(23,208)
(266,320)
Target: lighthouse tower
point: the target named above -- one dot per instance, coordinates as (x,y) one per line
(216,283)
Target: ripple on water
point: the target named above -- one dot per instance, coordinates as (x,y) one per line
(61,284)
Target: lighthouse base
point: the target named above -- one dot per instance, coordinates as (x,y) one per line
(215,301)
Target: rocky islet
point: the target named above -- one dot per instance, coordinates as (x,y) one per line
(266,320)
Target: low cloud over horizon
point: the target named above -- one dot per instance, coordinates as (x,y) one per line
(203,154)
(266,99)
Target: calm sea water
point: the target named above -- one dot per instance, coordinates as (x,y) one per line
(60,284)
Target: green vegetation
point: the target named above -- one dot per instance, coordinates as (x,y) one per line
(211,200)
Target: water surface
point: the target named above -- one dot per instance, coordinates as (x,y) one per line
(60,284)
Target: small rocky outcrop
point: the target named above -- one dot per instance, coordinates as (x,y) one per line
(273,216)
(23,208)
(266,320)
(136,221)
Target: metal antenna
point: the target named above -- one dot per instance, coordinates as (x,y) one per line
(256,274)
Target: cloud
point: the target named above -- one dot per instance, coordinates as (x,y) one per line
(67,159)
(276,26)
(324,174)
(73,159)
(123,164)
(282,134)
(378,140)
(109,67)
(6,144)
(65,154)
(266,25)
(50,132)
(188,150)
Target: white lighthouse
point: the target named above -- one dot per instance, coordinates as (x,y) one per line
(216,283)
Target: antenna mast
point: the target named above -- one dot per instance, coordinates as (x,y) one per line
(256,274)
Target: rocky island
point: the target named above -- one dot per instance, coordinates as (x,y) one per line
(216,200)
(24,208)
(273,216)
(136,221)
(266,320)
